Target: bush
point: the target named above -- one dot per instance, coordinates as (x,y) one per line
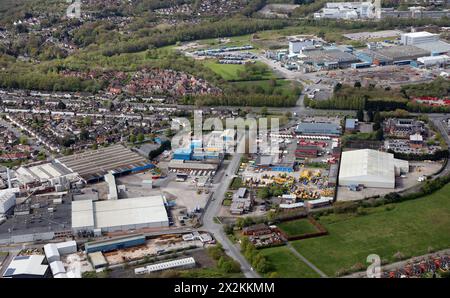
(389,207)
(361,211)
(345,207)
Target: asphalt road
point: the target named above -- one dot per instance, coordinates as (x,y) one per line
(213,209)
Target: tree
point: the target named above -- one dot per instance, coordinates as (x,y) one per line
(23,140)
(263,193)
(87,121)
(360,115)
(264,111)
(132,138)
(140,137)
(84,134)
(337,87)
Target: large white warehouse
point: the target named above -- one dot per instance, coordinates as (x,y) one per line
(119,215)
(7,199)
(370,168)
(414,38)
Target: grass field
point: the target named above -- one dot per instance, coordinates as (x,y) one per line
(230,72)
(286,264)
(298,227)
(411,228)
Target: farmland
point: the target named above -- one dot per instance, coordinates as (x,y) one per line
(286,264)
(298,227)
(401,230)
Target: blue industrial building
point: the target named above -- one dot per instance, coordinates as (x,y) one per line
(325,129)
(114,244)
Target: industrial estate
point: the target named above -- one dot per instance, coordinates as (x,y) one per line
(101,176)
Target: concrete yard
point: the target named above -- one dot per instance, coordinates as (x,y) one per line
(185,193)
(417,169)
(76,264)
(151,248)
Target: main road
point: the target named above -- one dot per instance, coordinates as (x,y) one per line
(214,206)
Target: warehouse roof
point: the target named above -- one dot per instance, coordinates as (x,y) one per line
(113,213)
(368,164)
(129,212)
(318,128)
(57,267)
(97,259)
(332,55)
(180,164)
(82,214)
(402,52)
(42,172)
(101,243)
(435,46)
(96,163)
(26,265)
(419,34)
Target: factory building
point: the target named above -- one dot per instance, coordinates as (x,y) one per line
(306,151)
(440,60)
(207,168)
(92,165)
(54,251)
(393,55)
(27,267)
(114,244)
(347,11)
(54,174)
(7,199)
(370,168)
(323,129)
(119,215)
(435,48)
(298,45)
(415,38)
(185,263)
(329,59)
(272,163)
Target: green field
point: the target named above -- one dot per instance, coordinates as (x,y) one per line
(298,227)
(230,72)
(411,228)
(282,87)
(286,264)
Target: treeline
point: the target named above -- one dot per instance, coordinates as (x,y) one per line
(253,6)
(255,257)
(223,28)
(438,88)
(371,98)
(224,262)
(47,82)
(308,7)
(438,155)
(166,145)
(236,99)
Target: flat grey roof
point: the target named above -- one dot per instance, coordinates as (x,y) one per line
(96,163)
(435,46)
